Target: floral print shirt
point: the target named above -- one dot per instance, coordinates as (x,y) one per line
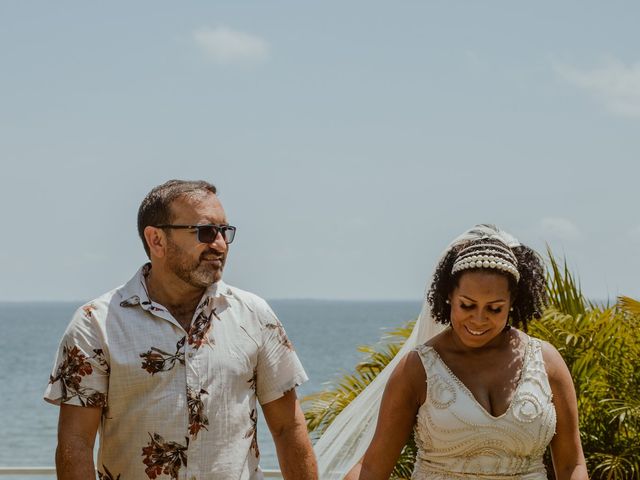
(176,404)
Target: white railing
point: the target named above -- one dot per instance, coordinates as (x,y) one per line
(52,471)
(27,471)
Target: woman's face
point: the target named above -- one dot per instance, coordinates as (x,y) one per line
(480,307)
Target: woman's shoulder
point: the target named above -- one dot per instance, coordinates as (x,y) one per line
(408,379)
(525,342)
(548,350)
(412,364)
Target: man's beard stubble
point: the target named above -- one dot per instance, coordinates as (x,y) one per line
(194,272)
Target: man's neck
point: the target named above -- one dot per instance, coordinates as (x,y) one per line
(180,298)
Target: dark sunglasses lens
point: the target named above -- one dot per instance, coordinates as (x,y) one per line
(229,233)
(207,234)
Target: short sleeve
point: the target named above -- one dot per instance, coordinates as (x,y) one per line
(80,373)
(279,370)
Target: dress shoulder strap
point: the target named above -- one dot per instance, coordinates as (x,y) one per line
(535,358)
(427,356)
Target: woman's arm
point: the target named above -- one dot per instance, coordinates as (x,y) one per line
(403,395)
(566,449)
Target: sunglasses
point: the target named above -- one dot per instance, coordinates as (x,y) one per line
(208,233)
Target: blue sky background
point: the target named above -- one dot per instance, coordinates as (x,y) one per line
(350,141)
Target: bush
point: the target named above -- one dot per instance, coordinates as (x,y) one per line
(601,347)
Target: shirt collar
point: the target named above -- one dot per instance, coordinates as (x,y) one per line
(134,292)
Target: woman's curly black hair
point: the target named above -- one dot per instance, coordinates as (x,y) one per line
(529,294)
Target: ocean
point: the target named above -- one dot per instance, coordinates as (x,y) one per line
(325,333)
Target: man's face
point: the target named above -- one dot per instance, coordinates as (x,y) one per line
(198,264)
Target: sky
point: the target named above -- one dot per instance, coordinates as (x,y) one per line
(349,141)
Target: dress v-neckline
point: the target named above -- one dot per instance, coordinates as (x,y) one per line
(464,388)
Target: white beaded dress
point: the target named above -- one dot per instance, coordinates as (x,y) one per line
(458,439)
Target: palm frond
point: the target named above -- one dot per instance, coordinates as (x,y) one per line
(610,466)
(563,290)
(629,305)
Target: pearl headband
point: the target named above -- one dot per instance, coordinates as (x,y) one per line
(487,255)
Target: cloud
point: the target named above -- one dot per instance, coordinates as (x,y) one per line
(225,46)
(558,228)
(615,84)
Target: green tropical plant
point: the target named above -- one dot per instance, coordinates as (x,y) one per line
(601,347)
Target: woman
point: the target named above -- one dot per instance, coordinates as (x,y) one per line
(485,398)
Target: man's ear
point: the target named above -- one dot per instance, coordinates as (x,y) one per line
(156,240)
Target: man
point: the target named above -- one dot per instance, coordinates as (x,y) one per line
(169,366)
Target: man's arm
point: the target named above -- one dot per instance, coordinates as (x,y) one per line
(289,431)
(77,428)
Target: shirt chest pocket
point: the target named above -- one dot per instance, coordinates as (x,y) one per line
(147,364)
(226,366)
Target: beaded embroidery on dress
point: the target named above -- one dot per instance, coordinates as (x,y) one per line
(458,439)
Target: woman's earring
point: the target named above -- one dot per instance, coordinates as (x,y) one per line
(511,309)
(447,301)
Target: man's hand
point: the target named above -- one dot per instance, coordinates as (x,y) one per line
(77,428)
(289,430)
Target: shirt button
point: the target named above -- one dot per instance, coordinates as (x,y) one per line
(190,354)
